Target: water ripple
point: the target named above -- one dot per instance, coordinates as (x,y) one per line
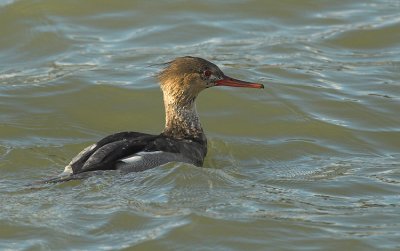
(309,162)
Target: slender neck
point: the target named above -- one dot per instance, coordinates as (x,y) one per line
(181,118)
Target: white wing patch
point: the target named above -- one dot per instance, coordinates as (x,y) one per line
(77,157)
(138,157)
(145,160)
(68,168)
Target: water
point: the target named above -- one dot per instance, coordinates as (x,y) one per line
(310,162)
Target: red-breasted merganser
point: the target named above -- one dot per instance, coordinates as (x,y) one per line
(182,140)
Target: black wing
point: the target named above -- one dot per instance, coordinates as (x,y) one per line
(104,154)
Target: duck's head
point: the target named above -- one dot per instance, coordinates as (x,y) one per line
(185,77)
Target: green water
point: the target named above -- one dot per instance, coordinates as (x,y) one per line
(310,162)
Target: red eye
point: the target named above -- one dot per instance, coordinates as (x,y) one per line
(207,73)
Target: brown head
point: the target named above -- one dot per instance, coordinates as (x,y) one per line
(185,77)
(181,81)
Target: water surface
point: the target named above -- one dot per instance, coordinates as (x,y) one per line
(310,162)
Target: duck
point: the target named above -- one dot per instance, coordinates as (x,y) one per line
(183,138)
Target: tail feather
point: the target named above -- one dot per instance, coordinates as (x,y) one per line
(64,177)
